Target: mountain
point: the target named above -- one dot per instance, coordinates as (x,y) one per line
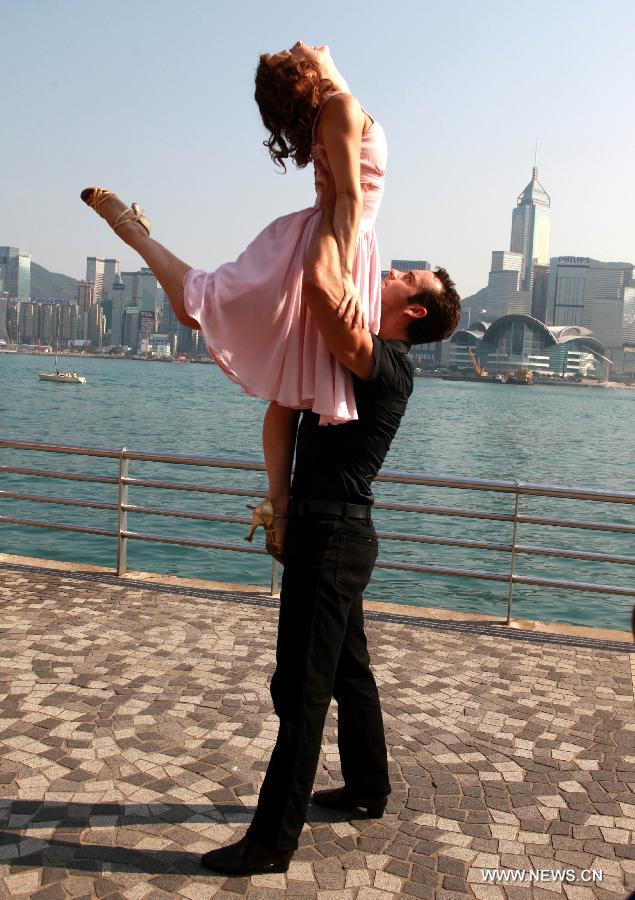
(51,284)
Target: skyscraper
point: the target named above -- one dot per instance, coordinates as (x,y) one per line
(597,295)
(511,278)
(15,272)
(111,270)
(85,295)
(531,229)
(405,265)
(95,273)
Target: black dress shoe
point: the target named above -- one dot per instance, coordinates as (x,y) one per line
(246,858)
(341,798)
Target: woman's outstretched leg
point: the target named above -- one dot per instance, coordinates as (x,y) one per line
(278,443)
(168,268)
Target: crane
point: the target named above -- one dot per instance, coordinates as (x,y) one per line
(480,371)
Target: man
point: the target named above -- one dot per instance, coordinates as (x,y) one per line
(331,545)
(330,552)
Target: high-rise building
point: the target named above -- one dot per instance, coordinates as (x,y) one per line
(141,289)
(28,322)
(597,295)
(531,229)
(511,278)
(85,295)
(68,323)
(13,321)
(117,312)
(405,265)
(108,293)
(15,272)
(4,307)
(95,273)
(502,296)
(539,293)
(111,271)
(94,325)
(130,327)
(628,333)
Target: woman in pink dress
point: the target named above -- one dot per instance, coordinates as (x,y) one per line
(250,311)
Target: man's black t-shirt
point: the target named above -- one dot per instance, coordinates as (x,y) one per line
(339,462)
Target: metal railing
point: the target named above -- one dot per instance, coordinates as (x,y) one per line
(516,489)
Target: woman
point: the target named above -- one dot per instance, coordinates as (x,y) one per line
(250,311)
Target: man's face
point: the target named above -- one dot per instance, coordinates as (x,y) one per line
(398,287)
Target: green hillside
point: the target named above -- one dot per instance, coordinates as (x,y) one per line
(51,284)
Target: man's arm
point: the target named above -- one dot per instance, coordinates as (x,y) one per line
(351,344)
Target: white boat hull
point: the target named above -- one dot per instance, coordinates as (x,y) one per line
(63,377)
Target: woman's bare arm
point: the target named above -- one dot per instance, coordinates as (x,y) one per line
(340,130)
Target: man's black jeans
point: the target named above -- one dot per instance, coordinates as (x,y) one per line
(321,653)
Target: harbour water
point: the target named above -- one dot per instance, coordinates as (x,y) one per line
(581,437)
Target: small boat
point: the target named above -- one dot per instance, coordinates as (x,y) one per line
(63,377)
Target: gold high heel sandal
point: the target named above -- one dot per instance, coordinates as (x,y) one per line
(95,197)
(262,515)
(274,538)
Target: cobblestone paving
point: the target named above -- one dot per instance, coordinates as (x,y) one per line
(135,726)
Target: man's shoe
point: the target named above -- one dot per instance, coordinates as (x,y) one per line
(341,798)
(246,858)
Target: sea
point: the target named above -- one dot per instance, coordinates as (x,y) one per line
(581,437)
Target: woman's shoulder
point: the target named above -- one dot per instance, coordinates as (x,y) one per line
(340,111)
(340,104)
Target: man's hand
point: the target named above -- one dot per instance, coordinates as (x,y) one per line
(350,310)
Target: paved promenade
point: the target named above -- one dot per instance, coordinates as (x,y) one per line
(135,726)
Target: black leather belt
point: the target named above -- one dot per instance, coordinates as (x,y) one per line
(329,508)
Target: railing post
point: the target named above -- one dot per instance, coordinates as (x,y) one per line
(275,590)
(122,514)
(512,562)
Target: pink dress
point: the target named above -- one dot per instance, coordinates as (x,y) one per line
(251,313)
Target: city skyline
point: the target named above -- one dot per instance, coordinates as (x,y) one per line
(185,139)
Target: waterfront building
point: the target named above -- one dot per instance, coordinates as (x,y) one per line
(4,306)
(47,323)
(596,295)
(129,327)
(157,345)
(517,342)
(15,272)
(13,321)
(539,293)
(111,271)
(405,265)
(531,228)
(188,341)
(512,287)
(146,325)
(69,321)
(93,325)
(86,295)
(141,289)
(95,273)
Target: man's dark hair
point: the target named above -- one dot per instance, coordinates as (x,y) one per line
(444,312)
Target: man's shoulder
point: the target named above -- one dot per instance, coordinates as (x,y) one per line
(393,346)
(392,361)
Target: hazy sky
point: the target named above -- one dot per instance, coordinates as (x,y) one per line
(153,98)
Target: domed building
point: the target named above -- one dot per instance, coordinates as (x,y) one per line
(519,342)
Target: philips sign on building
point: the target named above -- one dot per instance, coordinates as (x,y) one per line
(594,294)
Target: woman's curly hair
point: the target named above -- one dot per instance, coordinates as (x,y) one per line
(289,94)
